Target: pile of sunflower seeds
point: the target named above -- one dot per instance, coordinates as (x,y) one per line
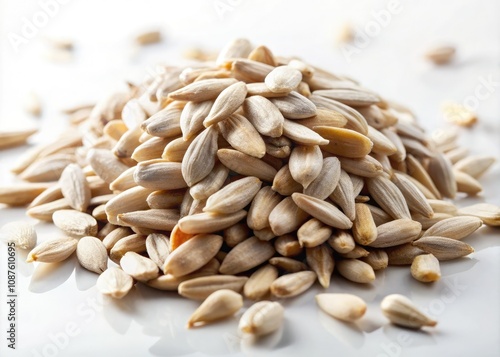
(253,175)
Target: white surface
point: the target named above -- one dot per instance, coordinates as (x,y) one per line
(147,322)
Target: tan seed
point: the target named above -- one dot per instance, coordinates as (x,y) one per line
(200,288)
(425,268)
(401,311)
(443,248)
(75,223)
(258,285)
(356,271)
(138,267)
(21,233)
(114,282)
(345,307)
(262,318)
(75,188)
(92,254)
(53,251)
(246,255)
(294,284)
(218,305)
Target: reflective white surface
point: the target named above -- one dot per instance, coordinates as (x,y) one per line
(59,310)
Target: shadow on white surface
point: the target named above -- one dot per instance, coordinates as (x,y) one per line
(349,334)
(415,337)
(26,269)
(48,276)
(84,278)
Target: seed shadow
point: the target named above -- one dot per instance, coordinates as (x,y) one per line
(456,266)
(48,276)
(120,312)
(26,269)
(349,334)
(414,337)
(84,279)
(263,345)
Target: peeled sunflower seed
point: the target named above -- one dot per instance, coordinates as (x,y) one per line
(443,248)
(259,283)
(233,197)
(138,267)
(200,288)
(262,318)
(356,270)
(92,254)
(75,223)
(488,213)
(75,188)
(401,311)
(53,251)
(344,307)
(246,255)
(21,233)
(293,284)
(425,268)
(218,305)
(114,282)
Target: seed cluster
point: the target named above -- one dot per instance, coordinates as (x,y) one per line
(256,174)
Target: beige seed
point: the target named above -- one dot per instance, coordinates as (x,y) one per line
(414,198)
(305,164)
(327,180)
(417,171)
(396,232)
(132,243)
(92,254)
(488,213)
(138,267)
(342,242)
(148,38)
(302,134)
(264,116)
(344,195)
(235,234)
(261,207)
(261,89)
(403,254)
(115,235)
(345,142)
(202,90)
(158,219)
(105,164)
(293,284)
(262,318)
(227,102)
(192,255)
(440,206)
(242,135)
(114,282)
(209,222)
(246,165)
(283,79)
(345,307)
(75,188)
(324,117)
(13,138)
(401,311)
(250,71)
(286,217)
(377,259)
(425,268)
(295,106)
(200,288)
(75,223)
(441,172)
(47,168)
(246,255)
(356,270)
(287,245)
(455,227)
(45,211)
(262,54)
(320,259)
(53,251)
(443,248)
(158,248)
(466,183)
(258,285)
(322,210)
(238,48)
(233,197)
(21,233)
(200,157)
(159,174)
(284,183)
(288,264)
(218,305)
(313,233)
(388,196)
(278,147)
(475,165)
(192,117)
(365,167)
(364,229)
(440,55)
(132,199)
(211,183)
(429,222)
(165,199)
(21,194)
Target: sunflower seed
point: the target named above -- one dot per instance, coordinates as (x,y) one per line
(92,254)
(75,223)
(356,271)
(132,243)
(440,55)
(320,259)
(401,311)
(287,245)
(227,102)
(345,307)
(264,116)
(305,164)
(218,305)
(192,255)
(293,284)
(288,264)
(238,48)
(138,267)
(403,254)
(364,229)
(114,282)
(262,54)
(377,259)
(246,165)
(396,232)
(466,183)
(295,106)
(74,187)
(417,171)
(47,168)
(313,233)
(53,251)
(13,138)
(250,71)
(414,198)
(429,222)
(209,222)
(365,167)
(388,196)
(242,136)
(246,255)
(133,199)
(200,157)
(147,38)
(283,79)
(475,165)
(455,227)
(258,285)
(488,213)
(200,288)
(443,248)
(105,164)
(284,183)
(45,211)
(158,219)
(202,90)
(322,210)
(262,318)
(262,205)
(286,217)
(425,268)
(441,172)
(21,233)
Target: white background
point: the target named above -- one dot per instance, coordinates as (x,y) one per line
(54,299)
